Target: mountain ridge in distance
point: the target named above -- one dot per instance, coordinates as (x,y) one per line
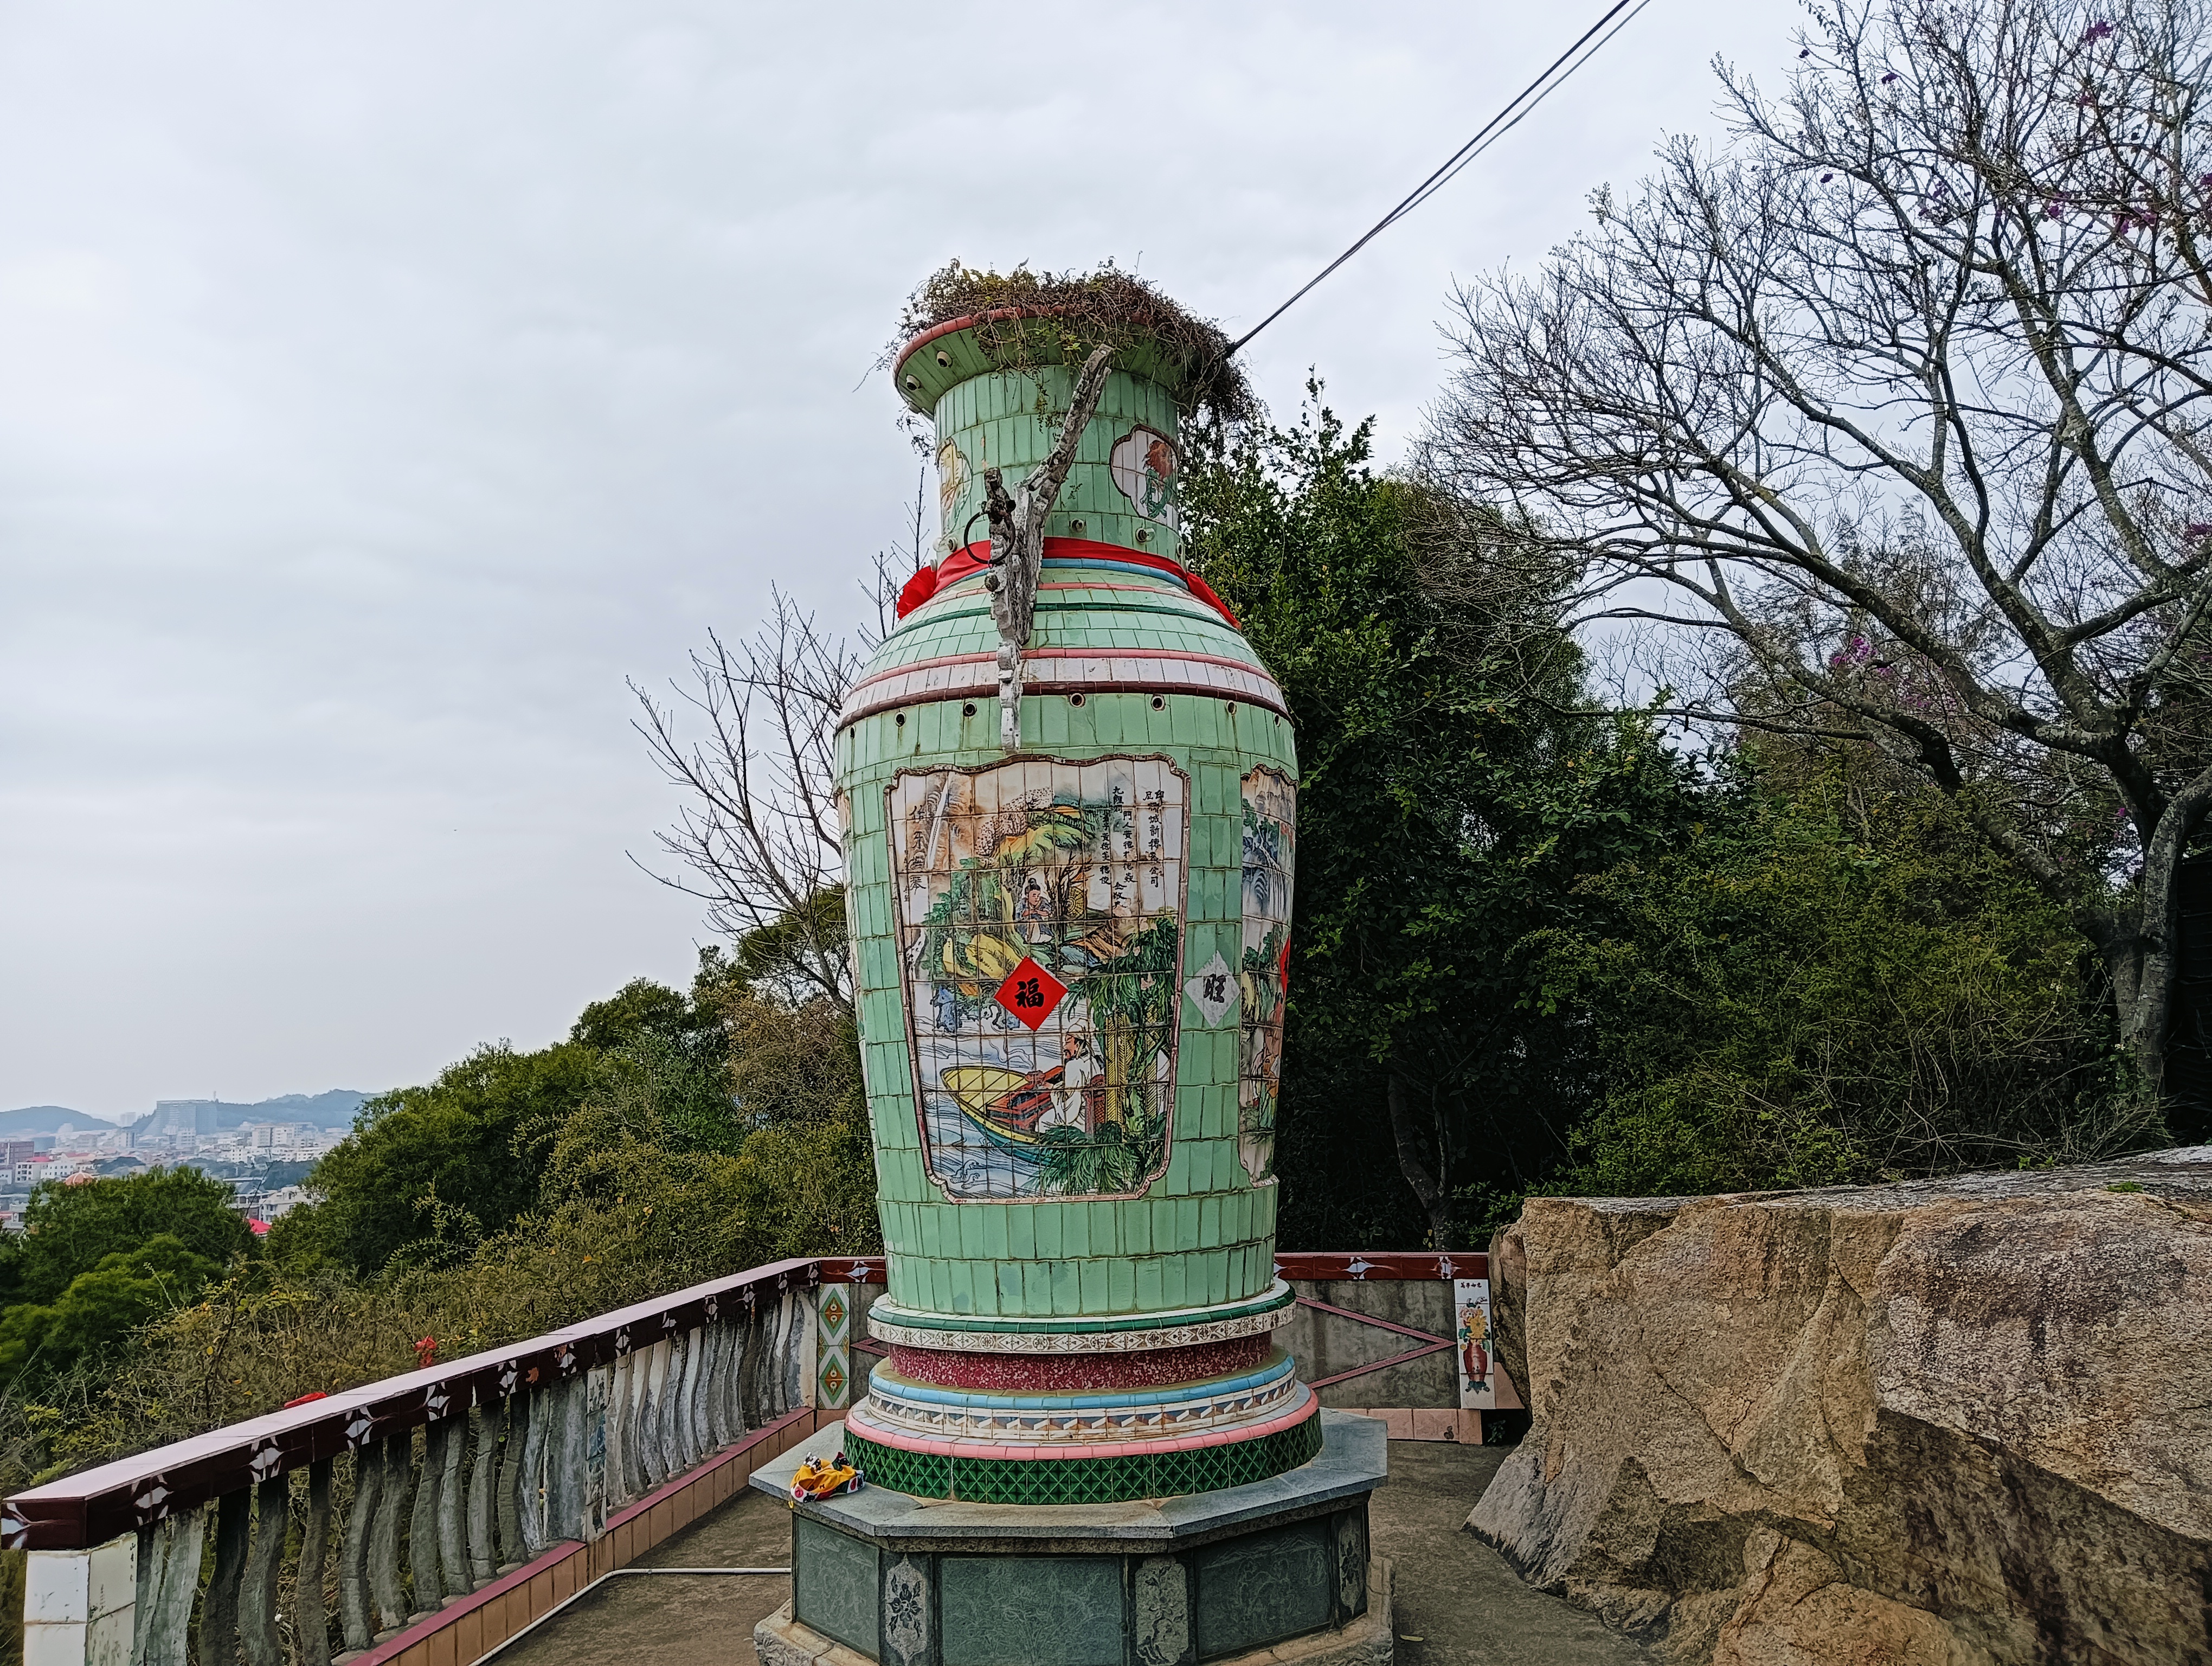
(334,1107)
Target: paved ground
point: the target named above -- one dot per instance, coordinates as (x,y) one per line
(1458,1603)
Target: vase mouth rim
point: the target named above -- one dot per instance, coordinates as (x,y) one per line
(953,326)
(919,386)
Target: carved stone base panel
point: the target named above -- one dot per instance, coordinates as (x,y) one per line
(1160,1636)
(1276,1570)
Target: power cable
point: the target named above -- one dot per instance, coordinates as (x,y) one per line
(1516,111)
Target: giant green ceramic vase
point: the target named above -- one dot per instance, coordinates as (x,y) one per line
(1070,962)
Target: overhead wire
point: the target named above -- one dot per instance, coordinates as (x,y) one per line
(1517,110)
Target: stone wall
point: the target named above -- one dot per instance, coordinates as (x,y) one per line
(1960,1423)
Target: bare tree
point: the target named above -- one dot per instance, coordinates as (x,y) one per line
(758,838)
(1899,401)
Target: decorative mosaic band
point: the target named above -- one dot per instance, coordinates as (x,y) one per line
(1080,1373)
(1128,1332)
(978,1473)
(1064,671)
(1083,1419)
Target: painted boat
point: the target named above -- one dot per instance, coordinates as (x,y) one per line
(1006,1104)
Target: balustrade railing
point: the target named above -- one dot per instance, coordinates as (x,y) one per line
(419,1493)
(434,1515)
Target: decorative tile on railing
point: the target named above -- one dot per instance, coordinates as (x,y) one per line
(833,1348)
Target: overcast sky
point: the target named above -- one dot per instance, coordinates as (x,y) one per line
(381,386)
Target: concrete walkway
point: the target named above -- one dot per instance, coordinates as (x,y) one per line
(1458,1603)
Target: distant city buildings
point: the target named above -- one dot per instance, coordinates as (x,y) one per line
(249,1157)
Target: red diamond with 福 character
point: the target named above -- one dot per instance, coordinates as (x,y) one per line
(1030,993)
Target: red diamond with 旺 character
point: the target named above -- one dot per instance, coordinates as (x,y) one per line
(1030,993)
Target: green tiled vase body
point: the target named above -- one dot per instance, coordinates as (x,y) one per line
(1070,959)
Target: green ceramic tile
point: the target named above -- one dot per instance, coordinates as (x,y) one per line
(1148,1284)
(1120,1284)
(1174,1271)
(960,1286)
(1094,1289)
(1216,1263)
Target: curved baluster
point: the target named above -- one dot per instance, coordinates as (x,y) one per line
(257,1596)
(775,1343)
(529,1481)
(668,1394)
(356,1616)
(564,1459)
(423,1537)
(616,1485)
(702,1423)
(749,1371)
(714,1400)
(798,1349)
(311,1627)
(452,1506)
(506,1495)
(483,1557)
(682,1402)
(599,1391)
(650,1458)
(735,1379)
(233,1525)
(393,1497)
(181,1583)
(168,1579)
(148,1570)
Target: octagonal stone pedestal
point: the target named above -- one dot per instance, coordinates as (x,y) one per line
(1279,1570)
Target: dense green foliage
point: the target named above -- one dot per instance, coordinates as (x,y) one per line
(436,1160)
(101,1308)
(1815,989)
(1536,949)
(70,1230)
(1446,809)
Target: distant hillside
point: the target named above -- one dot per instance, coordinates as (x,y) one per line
(47,1119)
(332,1109)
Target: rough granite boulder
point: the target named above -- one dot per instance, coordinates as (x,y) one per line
(1950,1423)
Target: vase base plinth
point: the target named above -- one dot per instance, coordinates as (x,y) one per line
(1278,1570)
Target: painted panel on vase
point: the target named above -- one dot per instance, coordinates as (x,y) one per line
(1040,916)
(1144,468)
(1263,971)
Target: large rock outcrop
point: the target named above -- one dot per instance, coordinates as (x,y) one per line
(1953,1423)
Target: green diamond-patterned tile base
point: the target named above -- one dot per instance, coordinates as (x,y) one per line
(1165,1474)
